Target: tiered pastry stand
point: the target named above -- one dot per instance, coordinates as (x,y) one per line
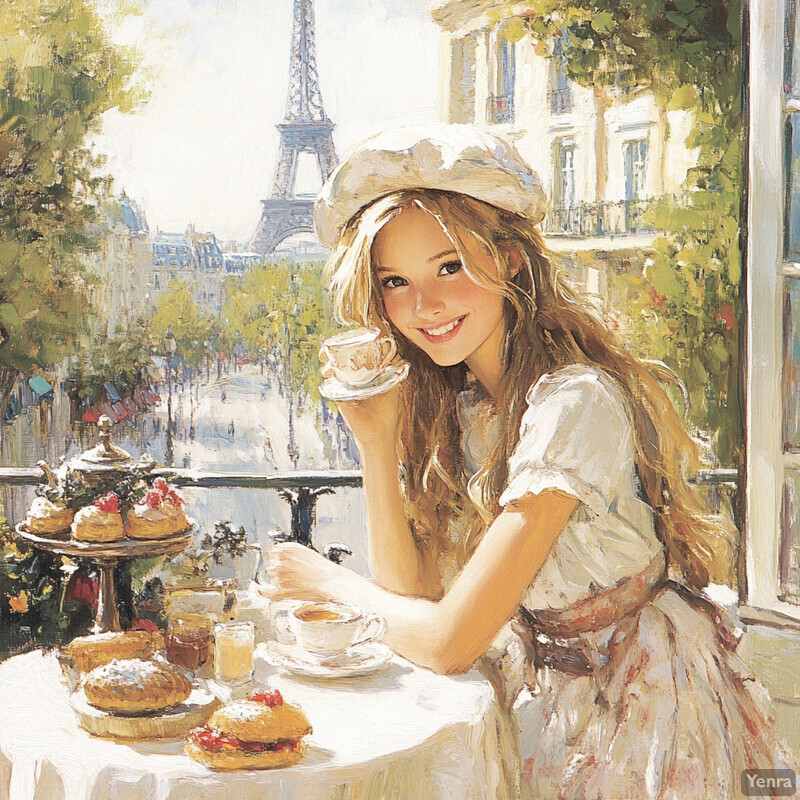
(95,467)
(107,556)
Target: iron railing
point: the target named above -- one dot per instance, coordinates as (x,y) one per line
(301,488)
(606,218)
(560,100)
(500,109)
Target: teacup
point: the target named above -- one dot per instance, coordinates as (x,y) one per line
(357,357)
(329,629)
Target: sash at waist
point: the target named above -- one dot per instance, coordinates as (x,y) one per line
(554,638)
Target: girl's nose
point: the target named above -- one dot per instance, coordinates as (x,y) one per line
(428,303)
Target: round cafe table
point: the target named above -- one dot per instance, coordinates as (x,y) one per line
(400,733)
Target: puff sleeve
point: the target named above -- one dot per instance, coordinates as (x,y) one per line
(575,437)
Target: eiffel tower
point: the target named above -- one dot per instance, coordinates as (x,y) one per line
(306,129)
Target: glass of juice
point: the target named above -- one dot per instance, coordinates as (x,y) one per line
(234,643)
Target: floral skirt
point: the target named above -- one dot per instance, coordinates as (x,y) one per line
(667,712)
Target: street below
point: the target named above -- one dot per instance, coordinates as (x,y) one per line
(238,423)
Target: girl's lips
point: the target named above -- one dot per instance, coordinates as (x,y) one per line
(444,337)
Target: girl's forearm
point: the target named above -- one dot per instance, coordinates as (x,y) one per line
(414,629)
(395,560)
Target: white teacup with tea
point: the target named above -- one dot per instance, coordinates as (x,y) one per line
(358,357)
(328,629)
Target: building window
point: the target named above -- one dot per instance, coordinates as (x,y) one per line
(500,103)
(559,92)
(636,170)
(564,205)
(772,480)
(635,183)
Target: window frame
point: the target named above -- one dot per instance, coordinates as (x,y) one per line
(765,461)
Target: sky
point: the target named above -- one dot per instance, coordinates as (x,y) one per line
(203,149)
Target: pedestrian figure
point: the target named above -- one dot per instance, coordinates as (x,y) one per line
(268,449)
(223,395)
(231,429)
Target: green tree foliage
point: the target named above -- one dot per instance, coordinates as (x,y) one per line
(282,308)
(58,74)
(685,309)
(191,326)
(123,360)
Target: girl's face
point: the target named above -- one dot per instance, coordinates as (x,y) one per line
(431,299)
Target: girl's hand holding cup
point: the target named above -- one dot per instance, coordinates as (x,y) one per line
(361,359)
(358,357)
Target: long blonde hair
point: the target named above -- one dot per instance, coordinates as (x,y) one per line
(547,327)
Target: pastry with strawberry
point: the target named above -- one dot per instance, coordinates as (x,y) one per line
(99,522)
(158,516)
(262,732)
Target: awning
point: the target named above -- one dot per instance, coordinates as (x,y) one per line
(40,385)
(91,414)
(112,392)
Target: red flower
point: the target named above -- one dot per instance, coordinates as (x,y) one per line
(726,315)
(657,298)
(144,625)
(161,486)
(82,589)
(109,503)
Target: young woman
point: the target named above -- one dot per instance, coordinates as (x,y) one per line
(529,469)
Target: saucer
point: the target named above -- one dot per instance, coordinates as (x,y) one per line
(336,390)
(361,659)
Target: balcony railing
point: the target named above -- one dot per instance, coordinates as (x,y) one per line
(607,218)
(301,488)
(560,100)
(500,109)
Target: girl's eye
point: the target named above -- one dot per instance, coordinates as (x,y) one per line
(392,282)
(450,268)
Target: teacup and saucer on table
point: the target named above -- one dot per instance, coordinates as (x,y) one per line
(359,363)
(328,640)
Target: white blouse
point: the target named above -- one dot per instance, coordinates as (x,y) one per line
(576,436)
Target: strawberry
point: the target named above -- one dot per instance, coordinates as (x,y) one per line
(161,486)
(212,740)
(173,497)
(253,747)
(269,697)
(153,498)
(286,745)
(109,503)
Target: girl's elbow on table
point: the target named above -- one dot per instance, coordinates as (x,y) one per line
(451,651)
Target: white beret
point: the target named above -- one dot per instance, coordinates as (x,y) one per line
(453,158)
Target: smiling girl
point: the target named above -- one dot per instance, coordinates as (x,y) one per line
(528,470)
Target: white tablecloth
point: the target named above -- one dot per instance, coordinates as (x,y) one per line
(401,733)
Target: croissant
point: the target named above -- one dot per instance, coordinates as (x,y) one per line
(88,652)
(134,686)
